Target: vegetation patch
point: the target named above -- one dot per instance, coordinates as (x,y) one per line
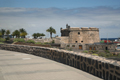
(30,41)
(38,43)
(19,40)
(85,51)
(2,39)
(95,54)
(1,43)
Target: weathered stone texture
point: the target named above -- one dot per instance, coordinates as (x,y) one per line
(80,35)
(98,66)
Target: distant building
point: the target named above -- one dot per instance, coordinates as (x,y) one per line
(5,36)
(76,38)
(82,35)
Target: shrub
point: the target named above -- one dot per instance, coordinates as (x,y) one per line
(6,39)
(2,40)
(107,51)
(53,41)
(19,40)
(109,55)
(102,54)
(30,41)
(119,55)
(85,51)
(95,54)
(46,43)
(93,51)
(38,43)
(1,43)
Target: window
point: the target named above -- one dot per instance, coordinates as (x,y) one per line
(76,41)
(78,33)
(73,45)
(68,45)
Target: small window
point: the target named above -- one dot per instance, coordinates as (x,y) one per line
(76,41)
(78,33)
(81,41)
(73,45)
(68,45)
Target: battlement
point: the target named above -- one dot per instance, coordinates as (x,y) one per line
(78,28)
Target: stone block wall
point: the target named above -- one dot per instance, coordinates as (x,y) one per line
(100,46)
(98,66)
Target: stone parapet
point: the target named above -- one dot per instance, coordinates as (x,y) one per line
(98,66)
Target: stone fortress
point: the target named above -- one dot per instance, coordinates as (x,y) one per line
(77,38)
(82,35)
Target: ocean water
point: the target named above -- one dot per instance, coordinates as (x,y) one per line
(112,39)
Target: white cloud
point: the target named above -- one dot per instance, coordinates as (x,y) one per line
(40,19)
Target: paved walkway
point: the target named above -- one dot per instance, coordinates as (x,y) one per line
(21,66)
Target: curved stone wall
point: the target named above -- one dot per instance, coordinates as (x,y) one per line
(98,66)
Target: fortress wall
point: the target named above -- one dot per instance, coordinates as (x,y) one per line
(98,66)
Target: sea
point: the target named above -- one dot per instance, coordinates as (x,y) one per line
(111,39)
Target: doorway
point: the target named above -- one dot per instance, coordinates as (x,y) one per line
(90,48)
(106,48)
(94,48)
(80,47)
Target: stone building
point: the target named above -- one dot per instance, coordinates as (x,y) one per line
(76,38)
(101,46)
(80,35)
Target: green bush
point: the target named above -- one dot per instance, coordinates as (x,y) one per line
(19,40)
(93,51)
(46,43)
(2,40)
(6,39)
(102,54)
(119,55)
(38,43)
(85,51)
(30,41)
(1,43)
(107,51)
(109,55)
(95,54)
(53,41)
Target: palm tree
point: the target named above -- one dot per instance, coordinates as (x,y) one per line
(38,35)
(51,30)
(42,34)
(7,32)
(13,34)
(23,32)
(16,33)
(3,31)
(34,35)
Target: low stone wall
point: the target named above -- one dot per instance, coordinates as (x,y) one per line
(98,66)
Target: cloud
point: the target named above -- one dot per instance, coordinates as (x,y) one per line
(39,19)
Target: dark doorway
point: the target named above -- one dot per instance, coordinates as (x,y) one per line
(106,48)
(94,48)
(90,48)
(80,47)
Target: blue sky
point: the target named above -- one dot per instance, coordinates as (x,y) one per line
(38,15)
(58,3)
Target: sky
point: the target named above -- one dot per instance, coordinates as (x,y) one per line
(38,15)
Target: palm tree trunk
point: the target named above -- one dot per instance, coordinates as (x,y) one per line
(51,35)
